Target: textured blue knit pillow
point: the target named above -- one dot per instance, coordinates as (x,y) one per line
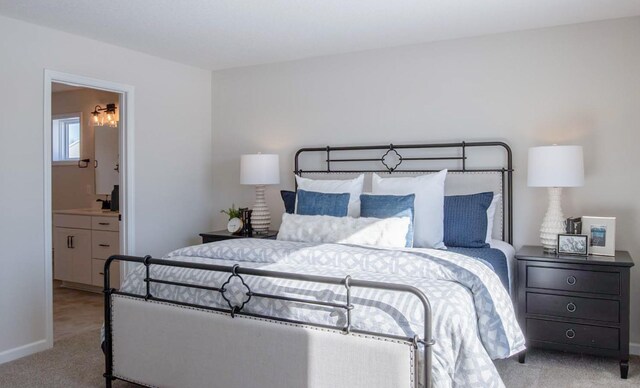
(465,220)
(386,206)
(311,203)
(289,199)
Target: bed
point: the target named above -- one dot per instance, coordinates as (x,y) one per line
(273,313)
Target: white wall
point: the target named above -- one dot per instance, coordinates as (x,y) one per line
(73,187)
(570,85)
(173,178)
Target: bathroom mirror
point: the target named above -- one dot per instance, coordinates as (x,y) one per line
(106,158)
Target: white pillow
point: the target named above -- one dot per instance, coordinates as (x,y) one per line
(382,232)
(351,186)
(428,207)
(491,215)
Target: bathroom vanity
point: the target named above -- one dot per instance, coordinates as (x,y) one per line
(82,240)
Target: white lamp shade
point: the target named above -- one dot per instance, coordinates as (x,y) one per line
(260,169)
(556,166)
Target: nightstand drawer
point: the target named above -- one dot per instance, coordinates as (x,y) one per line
(573,307)
(573,334)
(573,280)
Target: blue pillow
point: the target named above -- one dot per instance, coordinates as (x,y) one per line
(311,203)
(386,206)
(289,199)
(465,220)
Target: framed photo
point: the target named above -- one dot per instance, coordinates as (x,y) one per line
(602,234)
(573,244)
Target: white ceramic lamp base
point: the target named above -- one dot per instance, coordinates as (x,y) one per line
(553,223)
(260,216)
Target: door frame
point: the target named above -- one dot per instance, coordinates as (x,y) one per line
(127,124)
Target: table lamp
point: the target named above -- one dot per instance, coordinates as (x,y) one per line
(260,170)
(555,167)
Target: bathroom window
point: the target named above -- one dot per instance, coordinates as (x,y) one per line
(66,138)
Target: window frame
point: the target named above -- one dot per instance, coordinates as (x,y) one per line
(62,137)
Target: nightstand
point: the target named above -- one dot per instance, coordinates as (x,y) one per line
(575,303)
(220,235)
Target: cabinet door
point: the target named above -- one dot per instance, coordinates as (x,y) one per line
(62,254)
(106,148)
(81,247)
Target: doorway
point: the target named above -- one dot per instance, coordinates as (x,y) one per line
(88,204)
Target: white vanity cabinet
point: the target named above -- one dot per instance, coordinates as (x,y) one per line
(82,243)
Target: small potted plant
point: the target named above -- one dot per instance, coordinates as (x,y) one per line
(232,212)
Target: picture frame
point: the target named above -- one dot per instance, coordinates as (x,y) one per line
(573,244)
(573,225)
(602,234)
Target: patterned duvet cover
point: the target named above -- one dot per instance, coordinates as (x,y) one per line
(473,317)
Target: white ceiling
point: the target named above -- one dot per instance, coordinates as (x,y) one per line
(217,34)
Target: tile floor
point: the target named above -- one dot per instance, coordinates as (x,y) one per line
(75,311)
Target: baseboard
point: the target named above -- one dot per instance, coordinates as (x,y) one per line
(634,348)
(24,350)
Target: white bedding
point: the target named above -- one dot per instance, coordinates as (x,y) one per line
(473,318)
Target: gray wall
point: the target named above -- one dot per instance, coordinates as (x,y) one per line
(578,84)
(173,178)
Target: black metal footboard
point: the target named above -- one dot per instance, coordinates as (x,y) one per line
(236,308)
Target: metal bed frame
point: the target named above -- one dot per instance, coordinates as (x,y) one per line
(458,158)
(235,308)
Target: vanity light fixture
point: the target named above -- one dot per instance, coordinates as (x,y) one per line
(105,116)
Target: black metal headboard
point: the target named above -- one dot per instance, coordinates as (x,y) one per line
(390,159)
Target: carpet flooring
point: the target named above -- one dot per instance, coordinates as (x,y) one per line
(78,362)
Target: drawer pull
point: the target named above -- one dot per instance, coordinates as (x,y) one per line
(570,334)
(571,280)
(100,273)
(107,246)
(104,223)
(571,307)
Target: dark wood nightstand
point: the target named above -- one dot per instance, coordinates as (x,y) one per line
(575,303)
(220,235)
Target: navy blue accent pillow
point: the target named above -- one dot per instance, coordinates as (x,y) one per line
(289,199)
(311,203)
(385,206)
(465,220)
